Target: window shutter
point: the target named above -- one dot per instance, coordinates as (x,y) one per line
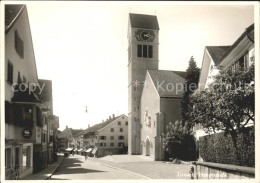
(18,117)
(39,117)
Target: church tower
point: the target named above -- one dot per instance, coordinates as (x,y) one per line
(143,43)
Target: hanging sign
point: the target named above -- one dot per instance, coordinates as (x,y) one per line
(27,133)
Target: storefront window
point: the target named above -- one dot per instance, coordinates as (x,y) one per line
(8,158)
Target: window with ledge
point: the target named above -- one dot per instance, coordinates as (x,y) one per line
(112,130)
(121,144)
(10,72)
(102,137)
(119,123)
(111,137)
(112,144)
(126,123)
(121,129)
(241,64)
(144,51)
(120,137)
(19,45)
(102,144)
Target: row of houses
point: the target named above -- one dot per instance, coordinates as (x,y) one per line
(105,138)
(30,125)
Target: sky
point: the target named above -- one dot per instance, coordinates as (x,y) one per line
(82,48)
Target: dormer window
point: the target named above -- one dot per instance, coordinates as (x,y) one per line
(19,45)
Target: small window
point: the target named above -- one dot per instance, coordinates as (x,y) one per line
(123,117)
(139,50)
(120,144)
(150,51)
(19,45)
(145,51)
(119,122)
(10,73)
(111,137)
(126,123)
(121,129)
(120,137)
(102,137)
(112,144)
(112,130)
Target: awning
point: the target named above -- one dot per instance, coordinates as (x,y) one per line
(94,151)
(89,150)
(68,149)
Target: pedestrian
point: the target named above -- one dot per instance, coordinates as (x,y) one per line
(86,156)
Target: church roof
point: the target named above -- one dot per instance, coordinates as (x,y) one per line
(217,52)
(12,11)
(168,83)
(143,21)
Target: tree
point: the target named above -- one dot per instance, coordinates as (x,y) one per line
(228,104)
(191,85)
(178,142)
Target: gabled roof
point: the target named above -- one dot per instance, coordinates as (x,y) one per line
(67,132)
(249,32)
(143,21)
(217,52)
(174,80)
(12,11)
(98,126)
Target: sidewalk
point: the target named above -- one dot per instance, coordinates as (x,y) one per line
(47,172)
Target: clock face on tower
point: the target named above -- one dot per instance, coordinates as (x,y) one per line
(144,35)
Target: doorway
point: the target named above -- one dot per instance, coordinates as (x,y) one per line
(147,147)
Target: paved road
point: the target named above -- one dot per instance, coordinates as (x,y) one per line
(76,168)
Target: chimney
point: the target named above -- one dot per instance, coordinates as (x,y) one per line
(109,117)
(88,125)
(114,116)
(102,121)
(66,127)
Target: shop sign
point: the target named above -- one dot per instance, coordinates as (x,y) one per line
(27,133)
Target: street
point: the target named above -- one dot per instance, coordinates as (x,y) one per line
(76,168)
(125,167)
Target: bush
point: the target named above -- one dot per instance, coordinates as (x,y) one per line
(218,148)
(178,142)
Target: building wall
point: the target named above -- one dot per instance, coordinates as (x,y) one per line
(205,68)
(150,105)
(106,131)
(137,68)
(26,66)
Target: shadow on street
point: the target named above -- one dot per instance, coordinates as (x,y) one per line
(73,166)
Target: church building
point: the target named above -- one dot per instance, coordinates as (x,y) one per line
(154,96)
